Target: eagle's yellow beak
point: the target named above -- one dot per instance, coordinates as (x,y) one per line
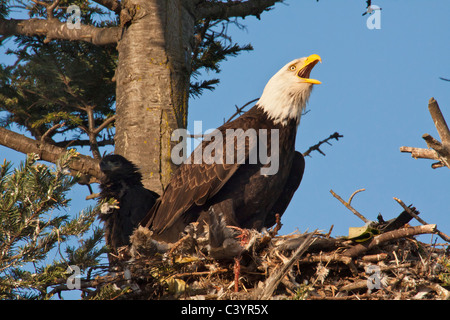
(305,70)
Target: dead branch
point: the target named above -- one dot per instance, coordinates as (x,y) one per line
(375,257)
(359,249)
(199,273)
(240,110)
(420,153)
(273,281)
(440,150)
(439,121)
(410,212)
(359,215)
(327,258)
(316,147)
(353,194)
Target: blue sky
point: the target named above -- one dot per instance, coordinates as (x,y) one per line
(375,89)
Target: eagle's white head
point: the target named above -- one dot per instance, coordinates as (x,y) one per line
(287,92)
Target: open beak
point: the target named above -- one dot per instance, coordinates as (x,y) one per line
(308,65)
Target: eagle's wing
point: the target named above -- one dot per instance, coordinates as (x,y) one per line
(293,182)
(193,184)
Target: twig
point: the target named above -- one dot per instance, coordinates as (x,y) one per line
(237,271)
(50,9)
(104,124)
(241,109)
(317,146)
(177,244)
(329,231)
(49,131)
(375,257)
(272,282)
(357,285)
(277,227)
(353,194)
(359,215)
(407,209)
(199,273)
(327,258)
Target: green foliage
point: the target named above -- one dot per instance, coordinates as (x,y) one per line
(59,91)
(213,46)
(57,83)
(109,292)
(32,224)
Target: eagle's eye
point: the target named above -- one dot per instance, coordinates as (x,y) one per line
(292,68)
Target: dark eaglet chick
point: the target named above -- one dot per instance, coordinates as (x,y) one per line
(122,182)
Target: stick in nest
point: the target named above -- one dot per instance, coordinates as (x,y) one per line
(358,249)
(274,280)
(347,204)
(407,209)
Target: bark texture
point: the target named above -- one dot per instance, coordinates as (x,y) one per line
(152,84)
(48,152)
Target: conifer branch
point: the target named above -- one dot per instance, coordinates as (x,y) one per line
(47,152)
(229,9)
(53,29)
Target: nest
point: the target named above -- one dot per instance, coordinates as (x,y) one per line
(248,264)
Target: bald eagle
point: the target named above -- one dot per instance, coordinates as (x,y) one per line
(240,191)
(122,182)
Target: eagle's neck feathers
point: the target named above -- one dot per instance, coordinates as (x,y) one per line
(283,102)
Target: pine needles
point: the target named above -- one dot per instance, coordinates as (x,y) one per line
(33,224)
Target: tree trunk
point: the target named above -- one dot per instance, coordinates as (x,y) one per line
(152,84)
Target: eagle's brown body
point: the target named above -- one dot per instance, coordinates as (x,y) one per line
(240,192)
(245,197)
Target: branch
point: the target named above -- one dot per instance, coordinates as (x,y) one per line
(272,282)
(420,153)
(47,152)
(54,29)
(240,110)
(112,5)
(347,204)
(91,133)
(439,121)
(51,7)
(51,130)
(229,9)
(387,236)
(440,149)
(82,143)
(105,123)
(412,214)
(317,146)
